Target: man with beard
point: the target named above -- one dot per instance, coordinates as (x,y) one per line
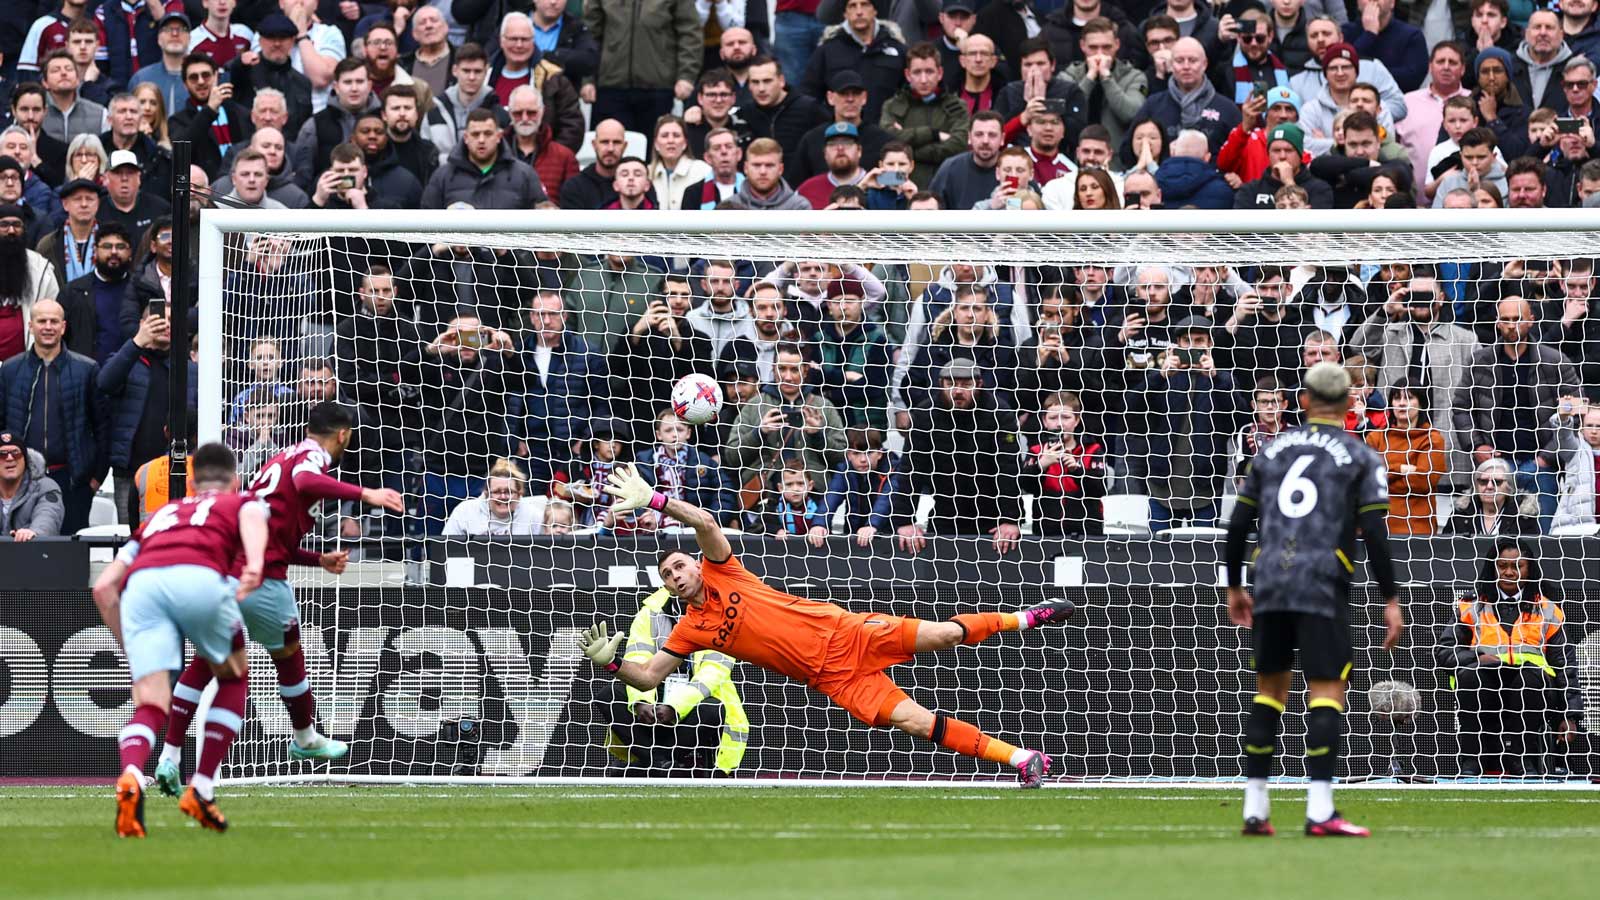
(716,95)
(128,204)
(842,149)
(847,97)
(779,113)
(416,153)
(166,72)
(352,97)
(723,316)
(47,157)
(273,67)
(764,187)
(381,47)
(25,278)
(769,327)
(966,178)
(660,348)
(211,122)
(481,173)
(154,161)
(48,398)
(520,63)
(532,143)
(385,176)
(93,303)
(593,187)
(738,51)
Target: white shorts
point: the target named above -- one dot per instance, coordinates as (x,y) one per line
(161,607)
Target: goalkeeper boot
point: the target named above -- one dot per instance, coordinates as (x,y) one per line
(168,779)
(1033,769)
(202,810)
(130,805)
(1056,612)
(1335,826)
(320,747)
(1254,827)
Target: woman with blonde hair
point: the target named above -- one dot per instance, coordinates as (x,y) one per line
(503,509)
(153,113)
(672,164)
(86,158)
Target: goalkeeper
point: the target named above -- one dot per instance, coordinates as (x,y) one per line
(838,653)
(673,730)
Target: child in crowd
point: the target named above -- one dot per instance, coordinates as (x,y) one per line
(1270,417)
(255,435)
(580,483)
(678,469)
(792,512)
(1367,410)
(558,517)
(865,485)
(266,375)
(1068,470)
(896,190)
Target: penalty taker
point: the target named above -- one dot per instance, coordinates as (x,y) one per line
(839,653)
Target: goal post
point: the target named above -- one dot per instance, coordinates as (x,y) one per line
(1118,360)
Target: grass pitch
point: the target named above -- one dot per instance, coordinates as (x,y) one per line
(649,842)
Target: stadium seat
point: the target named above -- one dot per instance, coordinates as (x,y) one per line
(637,146)
(113,530)
(1443,505)
(924,510)
(102,510)
(1577,530)
(1127,515)
(1192,533)
(1026,525)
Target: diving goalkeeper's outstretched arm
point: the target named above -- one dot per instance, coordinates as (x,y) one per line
(632,492)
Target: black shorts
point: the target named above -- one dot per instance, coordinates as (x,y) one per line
(1324,645)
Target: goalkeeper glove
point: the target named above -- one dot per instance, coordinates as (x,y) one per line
(601,646)
(631,491)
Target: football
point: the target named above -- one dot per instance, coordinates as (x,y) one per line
(696,399)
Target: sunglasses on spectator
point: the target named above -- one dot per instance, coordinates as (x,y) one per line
(199,76)
(10,454)
(1490,481)
(1577,85)
(1259,37)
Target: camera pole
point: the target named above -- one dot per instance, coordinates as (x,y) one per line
(178,309)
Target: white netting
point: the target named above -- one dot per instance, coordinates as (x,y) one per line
(1125,379)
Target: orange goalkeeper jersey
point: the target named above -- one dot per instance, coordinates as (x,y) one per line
(748,620)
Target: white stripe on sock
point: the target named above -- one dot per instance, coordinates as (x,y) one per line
(171,753)
(294,690)
(1020,756)
(1257,805)
(226,718)
(136,730)
(202,786)
(184,692)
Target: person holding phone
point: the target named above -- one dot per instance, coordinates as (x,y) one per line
(1256,69)
(787,418)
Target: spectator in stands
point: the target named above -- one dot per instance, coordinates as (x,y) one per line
(764,187)
(1506,402)
(778,113)
(255,436)
(787,419)
(715,98)
(632,186)
(1478,162)
(377,363)
(1512,666)
(48,398)
(1190,100)
(1044,145)
(967,329)
(933,121)
(164,73)
(125,203)
(521,64)
(566,378)
(134,382)
(26,277)
(673,167)
(847,96)
(431,52)
(605,301)
(1244,155)
(966,179)
(1504,108)
(1134,337)
(152,274)
(210,121)
(660,348)
(1491,26)
(418,155)
(971,67)
(854,357)
(68,113)
(1351,166)
(723,154)
(1562,164)
(1037,83)
(1286,166)
(1270,417)
(595,186)
(681,470)
(334,125)
(1568,326)
(563,39)
(388,180)
(1576,450)
(865,486)
(1525,183)
(1425,106)
(470,91)
(318,47)
(842,153)
(1176,419)
(864,44)
(1537,71)
(1399,45)
(649,55)
(1322,32)
(559,517)
(481,174)
(1188,178)
(47,155)
(153,161)
(1253,63)
(30,500)
(769,327)
(1067,470)
(1414,455)
(793,506)
(961,435)
(1494,506)
(470,374)
(248,180)
(93,303)
(504,509)
(87,158)
(71,249)
(271,68)
(1111,84)
(265,379)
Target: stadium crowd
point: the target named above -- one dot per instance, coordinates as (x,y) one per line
(519,378)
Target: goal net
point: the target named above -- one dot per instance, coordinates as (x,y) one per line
(925,414)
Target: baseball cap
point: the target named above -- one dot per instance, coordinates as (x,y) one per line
(76,185)
(277,25)
(956,5)
(841,130)
(1328,382)
(846,80)
(1283,95)
(120,158)
(1342,51)
(960,369)
(1192,325)
(1288,131)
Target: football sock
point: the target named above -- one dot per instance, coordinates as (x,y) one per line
(185,700)
(979,627)
(966,739)
(295,689)
(1257,805)
(138,737)
(1260,745)
(224,721)
(1324,725)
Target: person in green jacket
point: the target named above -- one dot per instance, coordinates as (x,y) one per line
(605,300)
(933,121)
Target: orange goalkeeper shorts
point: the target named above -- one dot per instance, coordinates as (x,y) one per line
(863,646)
